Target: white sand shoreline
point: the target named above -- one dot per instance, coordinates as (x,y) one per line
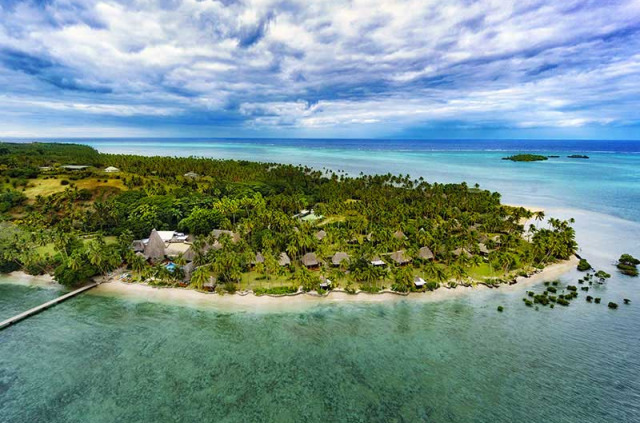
(247,301)
(250,302)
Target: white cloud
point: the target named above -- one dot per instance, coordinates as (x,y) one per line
(320,64)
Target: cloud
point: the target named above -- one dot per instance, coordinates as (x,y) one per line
(281,66)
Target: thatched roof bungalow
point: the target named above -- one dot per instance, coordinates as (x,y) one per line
(284,259)
(399,235)
(325,283)
(187,270)
(425,253)
(339,257)
(482,248)
(155,248)
(320,235)
(310,261)
(460,251)
(400,257)
(259,258)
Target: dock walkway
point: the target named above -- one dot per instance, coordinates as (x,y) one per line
(45,306)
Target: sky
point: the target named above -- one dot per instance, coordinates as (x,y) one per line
(320,68)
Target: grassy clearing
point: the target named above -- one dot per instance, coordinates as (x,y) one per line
(46,187)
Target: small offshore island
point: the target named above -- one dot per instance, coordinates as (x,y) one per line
(236,226)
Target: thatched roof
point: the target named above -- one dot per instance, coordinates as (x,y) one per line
(190,254)
(284,260)
(176,248)
(483,249)
(399,235)
(188,270)
(137,245)
(425,253)
(258,259)
(320,235)
(400,257)
(310,260)
(339,257)
(219,232)
(459,251)
(191,175)
(154,250)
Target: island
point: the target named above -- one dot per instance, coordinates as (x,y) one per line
(230,226)
(526,158)
(578,156)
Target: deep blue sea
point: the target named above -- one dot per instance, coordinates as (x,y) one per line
(102,359)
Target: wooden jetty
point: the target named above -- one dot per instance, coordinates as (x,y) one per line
(45,306)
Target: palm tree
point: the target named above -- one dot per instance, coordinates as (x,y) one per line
(199,277)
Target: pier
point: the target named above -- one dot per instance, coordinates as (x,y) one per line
(15,319)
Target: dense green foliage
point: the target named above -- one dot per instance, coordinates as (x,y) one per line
(472,236)
(583,265)
(526,158)
(628,265)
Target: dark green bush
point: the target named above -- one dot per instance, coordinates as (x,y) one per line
(596,300)
(612,305)
(500,309)
(583,265)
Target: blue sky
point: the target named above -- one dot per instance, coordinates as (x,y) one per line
(301,68)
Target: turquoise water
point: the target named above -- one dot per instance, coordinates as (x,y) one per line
(102,359)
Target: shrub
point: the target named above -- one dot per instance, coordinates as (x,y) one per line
(500,309)
(552,289)
(230,287)
(584,288)
(531,293)
(626,301)
(583,265)
(64,182)
(597,300)
(563,302)
(528,303)
(589,298)
(612,305)
(572,288)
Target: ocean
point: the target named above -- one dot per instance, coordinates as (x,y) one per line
(98,358)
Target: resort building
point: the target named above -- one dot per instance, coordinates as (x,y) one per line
(74,167)
(310,261)
(377,262)
(284,260)
(339,257)
(400,257)
(191,175)
(111,169)
(419,282)
(425,253)
(320,235)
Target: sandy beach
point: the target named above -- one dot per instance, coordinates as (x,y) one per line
(250,302)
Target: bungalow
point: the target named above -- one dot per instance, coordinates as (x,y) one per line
(419,282)
(74,167)
(310,261)
(111,169)
(425,253)
(161,244)
(187,271)
(339,257)
(377,262)
(258,259)
(284,259)
(217,233)
(325,283)
(483,249)
(460,251)
(320,235)
(191,175)
(400,257)
(399,235)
